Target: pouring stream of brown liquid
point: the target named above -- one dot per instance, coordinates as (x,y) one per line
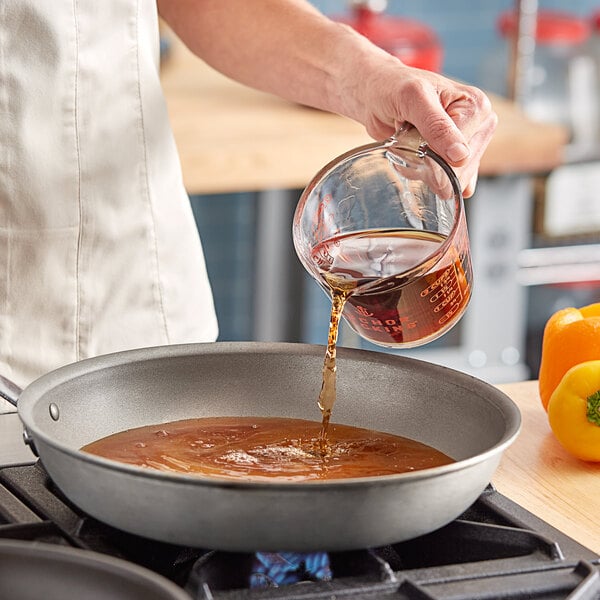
(328,393)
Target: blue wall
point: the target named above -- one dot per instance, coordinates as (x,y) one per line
(466,28)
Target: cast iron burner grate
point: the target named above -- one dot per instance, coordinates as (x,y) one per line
(495,550)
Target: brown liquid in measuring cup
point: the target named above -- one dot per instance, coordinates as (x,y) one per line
(266,449)
(398,309)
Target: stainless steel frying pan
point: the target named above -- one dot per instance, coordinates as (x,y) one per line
(462,416)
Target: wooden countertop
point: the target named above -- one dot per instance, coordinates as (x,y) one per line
(540,476)
(232,138)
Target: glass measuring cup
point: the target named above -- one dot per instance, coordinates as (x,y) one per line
(384,224)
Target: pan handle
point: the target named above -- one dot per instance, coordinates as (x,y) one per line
(9,391)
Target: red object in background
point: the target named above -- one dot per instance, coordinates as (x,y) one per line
(412,42)
(552,27)
(595,20)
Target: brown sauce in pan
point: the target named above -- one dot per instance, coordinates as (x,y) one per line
(266,449)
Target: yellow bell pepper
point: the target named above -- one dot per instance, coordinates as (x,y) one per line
(574,411)
(571,336)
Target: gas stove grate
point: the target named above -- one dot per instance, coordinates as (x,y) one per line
(496,549)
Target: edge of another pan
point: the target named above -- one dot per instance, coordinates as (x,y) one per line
(31,570)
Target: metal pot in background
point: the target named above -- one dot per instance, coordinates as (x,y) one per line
(553,77)
(593,48)
(562,85)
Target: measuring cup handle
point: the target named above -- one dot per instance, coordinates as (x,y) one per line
(410,137)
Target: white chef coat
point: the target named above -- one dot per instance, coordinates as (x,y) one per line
(99,251)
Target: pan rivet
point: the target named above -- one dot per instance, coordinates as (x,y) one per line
(54,412)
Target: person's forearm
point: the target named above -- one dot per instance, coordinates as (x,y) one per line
(284,47)
(288,48)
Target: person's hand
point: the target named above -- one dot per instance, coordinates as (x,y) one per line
(455,119)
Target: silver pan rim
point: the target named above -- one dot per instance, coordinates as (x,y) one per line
(36,390)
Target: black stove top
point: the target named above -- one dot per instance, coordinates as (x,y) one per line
(496,549)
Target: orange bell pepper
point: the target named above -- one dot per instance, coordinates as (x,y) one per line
(574,411)
(571,336)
